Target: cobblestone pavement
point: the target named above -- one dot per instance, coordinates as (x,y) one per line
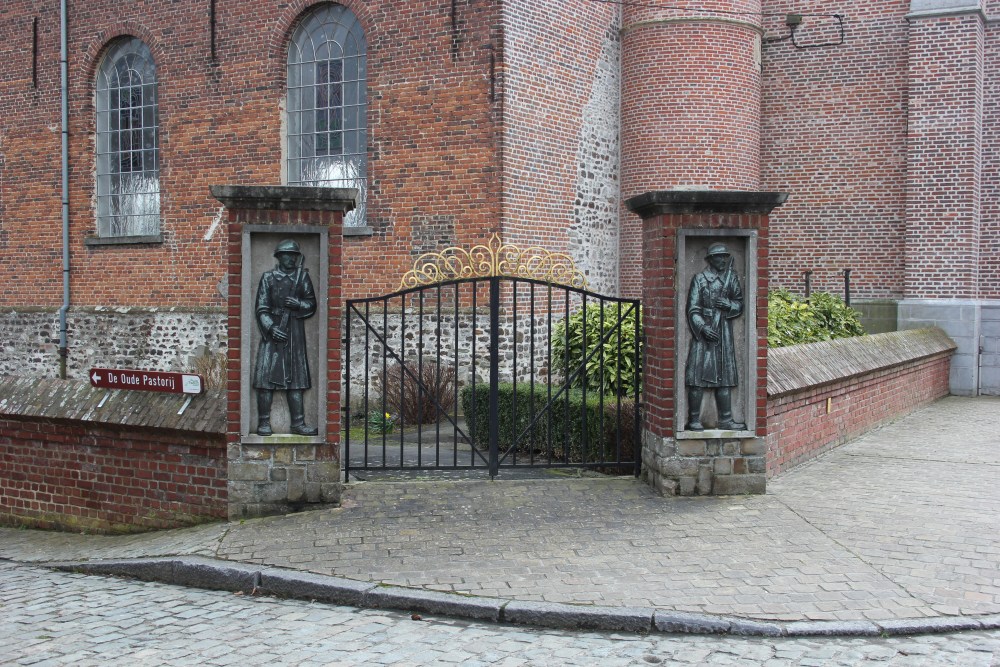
(53,618)
(900,524)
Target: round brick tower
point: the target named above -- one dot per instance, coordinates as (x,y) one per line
(691,89)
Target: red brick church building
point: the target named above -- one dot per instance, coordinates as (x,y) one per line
(458,119)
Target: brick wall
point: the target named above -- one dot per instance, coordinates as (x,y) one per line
(943,218)
(691,90)
(132,463)
(561,152)
(822,395)
(989,277)
(433,147)
(434,116)
(834,137)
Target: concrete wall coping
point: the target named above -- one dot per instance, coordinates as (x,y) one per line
(285,197)
(690,201)
(76,400)
(798,367)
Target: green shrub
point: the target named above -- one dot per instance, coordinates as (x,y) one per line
(563,424)
(612,373)
(791,320)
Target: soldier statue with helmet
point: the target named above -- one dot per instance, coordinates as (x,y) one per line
(285,299)
(714,300)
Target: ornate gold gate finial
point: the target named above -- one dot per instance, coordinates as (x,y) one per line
(494,259)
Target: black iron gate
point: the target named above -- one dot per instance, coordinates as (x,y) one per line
(492,374)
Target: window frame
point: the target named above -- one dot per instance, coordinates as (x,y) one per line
(126,97)
(326,131)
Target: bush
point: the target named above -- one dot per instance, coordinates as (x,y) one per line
(557,432)
(791,320)
(415,402)
(614,373)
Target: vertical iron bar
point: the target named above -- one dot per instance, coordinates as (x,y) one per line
(402,377)
(640,346)
(513,395)
(475,396)
(567,372)
(550,411)
(584,446)
(367,378)
(420,377)
(347,393)
(847,287)
(600,387)
(494,374)
(385,376)
(454,456)
(619,389)
(808,284)
(437,385)
(531,384)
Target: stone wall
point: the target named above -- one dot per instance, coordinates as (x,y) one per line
(130,464)
(155,339)
(820,395)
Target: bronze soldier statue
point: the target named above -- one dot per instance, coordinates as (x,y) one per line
(714,301)
(285,298)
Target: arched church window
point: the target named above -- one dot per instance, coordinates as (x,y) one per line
(128,146)
(326,109)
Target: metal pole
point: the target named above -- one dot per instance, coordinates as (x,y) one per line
(494,375)
(847,287)
(808,285)
(64,94)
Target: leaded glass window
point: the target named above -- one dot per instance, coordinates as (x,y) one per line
(327,104)
(128,147)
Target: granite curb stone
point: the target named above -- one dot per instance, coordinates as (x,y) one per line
(434,602)
(911,626)
(311,586)
(569,616)
(207,573)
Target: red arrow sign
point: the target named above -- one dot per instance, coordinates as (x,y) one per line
(123,378)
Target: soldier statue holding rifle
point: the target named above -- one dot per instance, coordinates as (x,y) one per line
(285,298)
(714,301)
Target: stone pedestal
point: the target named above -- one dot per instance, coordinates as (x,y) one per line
(679,229)
(284,471)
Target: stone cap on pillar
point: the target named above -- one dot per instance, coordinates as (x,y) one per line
(665,202)
(286,197)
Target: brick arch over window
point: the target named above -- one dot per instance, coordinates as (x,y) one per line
(128,141)
(327,103)
(98,46)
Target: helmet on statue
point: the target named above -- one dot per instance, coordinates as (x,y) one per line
(288,246)
(717,249)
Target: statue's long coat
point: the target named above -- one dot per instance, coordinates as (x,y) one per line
(712,364)
(283,365)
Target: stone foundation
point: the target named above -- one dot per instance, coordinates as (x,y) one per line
(706,466)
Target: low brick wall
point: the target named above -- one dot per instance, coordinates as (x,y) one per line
(132,464)
(821,395)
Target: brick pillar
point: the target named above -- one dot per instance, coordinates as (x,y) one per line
(944,177)
(677,226)
(284,472)
(691,103)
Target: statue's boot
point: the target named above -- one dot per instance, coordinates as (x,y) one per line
(264,412)
(296,408)
(694,409)
(724,402)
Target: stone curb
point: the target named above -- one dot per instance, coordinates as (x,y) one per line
(207,573)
